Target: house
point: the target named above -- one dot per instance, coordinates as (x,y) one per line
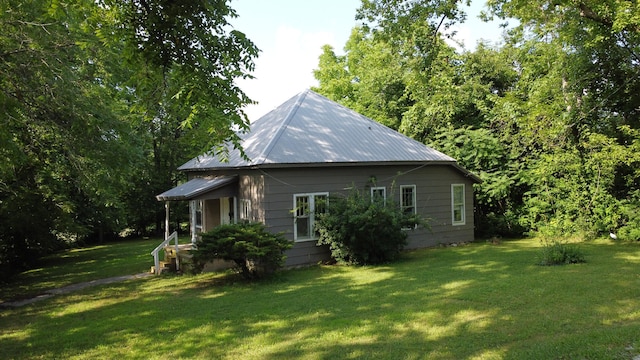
(310,147)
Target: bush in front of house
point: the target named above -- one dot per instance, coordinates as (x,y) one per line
(555,252)
(362,231)
(256,251)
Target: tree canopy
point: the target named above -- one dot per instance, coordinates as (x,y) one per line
(548,119)
(100,102)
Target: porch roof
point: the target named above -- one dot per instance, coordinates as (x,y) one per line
(195,188)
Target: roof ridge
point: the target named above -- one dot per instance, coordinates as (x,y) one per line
(267,149)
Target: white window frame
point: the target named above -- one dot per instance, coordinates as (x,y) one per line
(311,201)
(374,189)
(245,210)
(196,208)
(460,206)
(413,205)
(198,215)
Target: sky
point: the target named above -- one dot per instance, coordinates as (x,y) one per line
(291,33)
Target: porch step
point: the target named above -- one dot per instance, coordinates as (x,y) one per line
(165,266)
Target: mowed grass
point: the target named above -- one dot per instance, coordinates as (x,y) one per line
(82,264)
(480,301)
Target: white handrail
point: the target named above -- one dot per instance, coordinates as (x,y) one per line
(156,261)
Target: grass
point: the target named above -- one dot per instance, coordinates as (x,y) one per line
(479,301)
(82,264)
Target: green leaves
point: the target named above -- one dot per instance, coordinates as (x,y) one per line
(549,120)
(100,103)
(361,230)
(255,250)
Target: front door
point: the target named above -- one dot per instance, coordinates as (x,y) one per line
(227,215)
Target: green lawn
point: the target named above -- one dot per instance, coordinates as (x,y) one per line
(479,301)
(83,264)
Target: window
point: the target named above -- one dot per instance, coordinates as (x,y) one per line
(379,193)
(305,208)
(196,215)
(408,200)
(245,210)
(457,204)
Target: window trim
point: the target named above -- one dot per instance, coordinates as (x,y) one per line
(384,192)
(245,210)
(198,215)
(414,201)
(462,206)
(311,197)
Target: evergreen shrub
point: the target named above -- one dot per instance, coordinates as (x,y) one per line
(256,251)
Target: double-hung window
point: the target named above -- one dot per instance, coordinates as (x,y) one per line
(457,204)
(379,193)
(306,208)
(408,200)
(245,210)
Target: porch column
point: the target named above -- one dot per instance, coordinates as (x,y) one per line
(166,220)
(192,220)
(236,208)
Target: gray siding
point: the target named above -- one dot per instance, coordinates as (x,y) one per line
(433,197)
(271,193)
(252,188)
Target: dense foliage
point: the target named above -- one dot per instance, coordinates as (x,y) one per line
(100,101)
(555,252)
(549,119)
(256,251)
(361,230)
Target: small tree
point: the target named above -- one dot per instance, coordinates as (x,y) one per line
(362,230)
(256,251)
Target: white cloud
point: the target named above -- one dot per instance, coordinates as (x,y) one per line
(286,69)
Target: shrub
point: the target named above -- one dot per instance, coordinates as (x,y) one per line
(359,230)
(630,223)
(256,251)
(556,252)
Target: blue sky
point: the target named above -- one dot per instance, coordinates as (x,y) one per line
(291,33)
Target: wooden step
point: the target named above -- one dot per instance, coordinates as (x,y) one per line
(165,266)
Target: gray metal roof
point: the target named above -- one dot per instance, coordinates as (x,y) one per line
(310,129)
(195,187)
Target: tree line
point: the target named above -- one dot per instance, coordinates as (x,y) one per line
(548,118)
(100,102)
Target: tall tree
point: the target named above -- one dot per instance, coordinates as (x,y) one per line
(368,79)
(444,106)
(585,105)
(95,96)
(66,148)
(186,96)
(550,119)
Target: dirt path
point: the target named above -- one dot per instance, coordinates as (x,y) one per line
(71,288)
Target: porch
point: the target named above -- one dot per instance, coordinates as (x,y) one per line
(212,202)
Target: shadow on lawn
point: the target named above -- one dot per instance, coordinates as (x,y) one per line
(476,301)
(78,265)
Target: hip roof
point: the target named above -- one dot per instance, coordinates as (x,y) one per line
(311,130)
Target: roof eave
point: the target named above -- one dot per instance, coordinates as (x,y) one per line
(468,173)
(453,163)
(194,194)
